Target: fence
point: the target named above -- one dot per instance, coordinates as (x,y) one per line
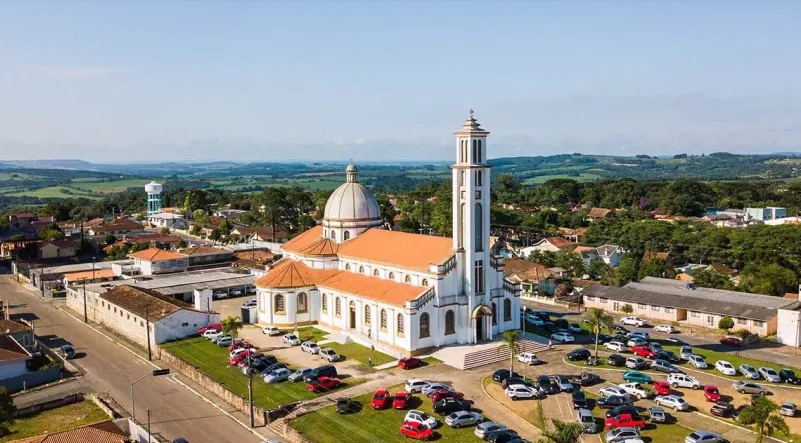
(48,405)
(32,379)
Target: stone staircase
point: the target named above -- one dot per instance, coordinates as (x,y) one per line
(469,357)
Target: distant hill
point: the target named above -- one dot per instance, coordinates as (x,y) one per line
(51,164)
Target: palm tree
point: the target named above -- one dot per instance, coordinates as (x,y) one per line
(231,325)
(511,342)
(563,432)
(765,418)
(598,319)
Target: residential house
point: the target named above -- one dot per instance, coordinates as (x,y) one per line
(57,249)
(13,358)
(117,227)
(572,234)
(167,220)
(658,256)
(598,213)
(768,213)
(610,254)
(158,261)
(21,332)
(261,233)
(527,274)
(20,221)
(726,271)
(204,255)
(552,244)
(104,432)
(262,257)
(588,254)
(90,276)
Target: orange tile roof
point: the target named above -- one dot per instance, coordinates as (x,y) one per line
(10,349)
(303,239)
(156,254)
(583,249)
(254,255)
(81,275)
(104,432)
(410,251)
(291,274)
(559,242)
(598,212)
(202,250)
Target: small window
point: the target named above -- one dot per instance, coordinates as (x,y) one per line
(425,282)
(338,307)
(392,276)
(141,323)
(400,324)
(183,325)
(333,235)
(602,300)
(425,325)
(589,298)
(694,314)
(325,302)
(641,306)
(361,269)
(345,235)
(655,308)
(758,324)
(450,323)
(494,314)
(478,195)
(367,315)
(668,310)
(384,319)
(375,272)
(347,266)
(128,316)
(303,303)
(742,321)
(408,279)
(507,310)
(279,303)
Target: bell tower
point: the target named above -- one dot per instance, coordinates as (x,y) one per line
(471,211)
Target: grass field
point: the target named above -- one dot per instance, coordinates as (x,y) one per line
(212,360)
(544,178)
(353,351)
(107,187)
(54,192)
(56,420)
(366,425)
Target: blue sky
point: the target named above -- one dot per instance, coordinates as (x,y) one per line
(390,80)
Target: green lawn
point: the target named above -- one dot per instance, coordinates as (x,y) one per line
(362,354)
(212,360)
(54,192)
(369,426)
(107,186)
(56,420)
(307,334)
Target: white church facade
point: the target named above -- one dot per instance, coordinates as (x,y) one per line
(404,293)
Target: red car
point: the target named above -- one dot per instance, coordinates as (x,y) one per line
(625,421)
(731,341)
(643,351)
(381,399)
(662,388)
(711,393)
(240,344)
(401,400)
(442,394)
(409,363)
(413,429)
(215,326)
(242,357)
(323,384)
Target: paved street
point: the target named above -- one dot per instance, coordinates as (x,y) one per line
(109,367)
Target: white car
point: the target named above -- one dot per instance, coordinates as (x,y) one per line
(636,390)
(672,401)
(211,334)
(291,339)
(533,320)
(529,358)
(684,381)
(770,374)
(636,363)
(520,391)
(667,329)
(749,371)
(329,354)
(415,385)
(615,346)
(621,435)
(633,321)
(277,375)
(250,303)
(563,337)
(612,390)
(697,361)
(421,417)
(272,331)
(725,367)
(310,347)
(238,351)
(701,436)
(224,340)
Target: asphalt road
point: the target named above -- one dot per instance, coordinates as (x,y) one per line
(109,367)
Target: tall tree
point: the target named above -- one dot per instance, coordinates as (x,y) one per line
(511,344)
(710,278)
(764,417)
(563,432)
(7,410)
(231,325)
(598,319)
(771,279)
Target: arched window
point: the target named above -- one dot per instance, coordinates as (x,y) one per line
(425,325)
(375,272)
(425,282)
(450,323)
(325,302)
(408,279)
(460,234)
(479,178)
(347,266)
(479,228)
(278,304)
(494,314)
(383,323)
(478,155)
(361,269)
(475,154)
(338,307)
(400,324)
(345,235)
(367,315)
(333,234)
(303,303)
(392,276)
(507,310)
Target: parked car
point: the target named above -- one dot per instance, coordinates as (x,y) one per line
(545,385)
(528,358)
(614,401)
(565,385)
(507,436)
(697,361)
(636,341)
(749,388)
(485,428)
(637,390)
(608,391)
(685,352)
(667,356)
(291,339)
(725,367)
(211,334)
(444,407)
(214,326)
(223,340)
(672,401)
(788,409)
(534,320)
(636,363)
(722,408)
(633,321)
(579,399)
(299,374)
(344,405)
(788,376)
(330,355)
(563,337)
(749,372)
(432,388)
(637,377)
(579,354)
(421,417)
(415,430)
(273,367)
(409,363)
(502,374)
(463,418)
(625,421)
(415,385)
(381,399)
(444,393)
(586,421)
(662,388)
(731,341)
(711,393)
(667,329)
(640,334)
(516,392)
(616,360)
(322,384)
(67,351)
(401,400)
(310,347)
(272,331)
(575,328)
(624,409)
(585,379)
(665,366)
(277,376)
(657,415)
(515,381)
(769,374)
(701,436)
(327,370)
(619,435)
(684,381)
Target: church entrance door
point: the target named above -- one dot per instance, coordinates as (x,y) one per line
(480,328)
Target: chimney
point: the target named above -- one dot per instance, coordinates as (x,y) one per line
(202,299)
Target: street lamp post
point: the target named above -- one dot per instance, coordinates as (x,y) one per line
(155,373)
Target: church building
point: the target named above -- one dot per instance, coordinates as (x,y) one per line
(402,293)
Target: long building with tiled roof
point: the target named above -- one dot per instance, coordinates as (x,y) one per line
(403,293)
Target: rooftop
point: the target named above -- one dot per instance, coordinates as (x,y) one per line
(202,250)
(12,327)
(143,302)
(104,432)
(181,283)
(409,251)
(525,270)
(11,350)
(89,275)
(118,224)
(559,242)
(156,254)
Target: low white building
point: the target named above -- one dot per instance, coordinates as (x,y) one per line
(13,358)
(167,220)
(550,244)
(126,310)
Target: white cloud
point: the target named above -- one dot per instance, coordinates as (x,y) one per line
(85,73)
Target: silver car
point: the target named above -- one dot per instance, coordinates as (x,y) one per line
(749,371)
(429,389)
(744,387)
(484,429)
(672,401)
(300,374)
(621,434)
(770,374)
(700,436)
(463,418)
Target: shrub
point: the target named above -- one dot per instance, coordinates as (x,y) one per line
(627,309)
(742,333)
(726,323)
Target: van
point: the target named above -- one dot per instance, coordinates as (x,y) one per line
(322,371)
(587,421)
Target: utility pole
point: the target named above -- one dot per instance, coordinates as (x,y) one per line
(147,327)
(250,390)
(93,269)
(85,308)
(148,426)
(41,277)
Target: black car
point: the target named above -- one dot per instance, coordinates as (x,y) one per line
(614,401)
(547,386)
(620,329)
(544,316)
(504,436)
(344,405)
(273,367)
(256,366)
(603,338)
(616,360)
(625,409)
(515,381)
(267,359)
(562,324)
(579,354)
(579,399)
(667,356)
(449,405)
(788,376)
(588,379)
(502,374)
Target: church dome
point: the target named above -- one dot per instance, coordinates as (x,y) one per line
(351,201)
